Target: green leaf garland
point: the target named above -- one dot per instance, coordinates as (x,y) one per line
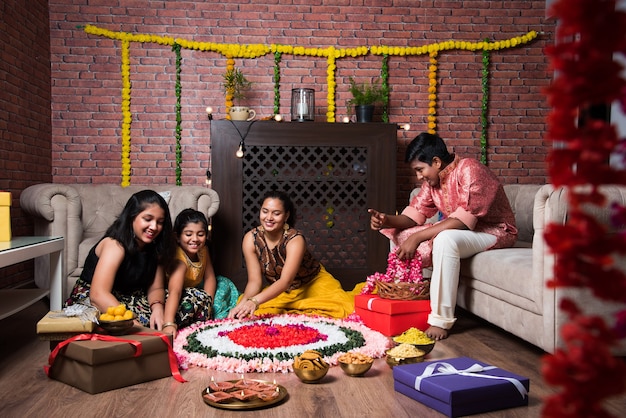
(484,108)
(384,75)
(277,58)
(179,156)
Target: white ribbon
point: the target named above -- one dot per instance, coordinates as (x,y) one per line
(369,304)
(473,371)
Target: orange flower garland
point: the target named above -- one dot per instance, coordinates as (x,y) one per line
(432,93)
(126,115)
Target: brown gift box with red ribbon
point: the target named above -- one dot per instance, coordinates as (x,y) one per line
(97,363)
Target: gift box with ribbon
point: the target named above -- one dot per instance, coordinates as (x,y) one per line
(461,386)
(392,317)
(5,216)
(56,322)
(97,363)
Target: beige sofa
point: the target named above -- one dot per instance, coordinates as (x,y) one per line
(507,287)
(81,213)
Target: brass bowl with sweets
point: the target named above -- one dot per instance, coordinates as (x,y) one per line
(404,354)
(310,367)
(355,364)
(417,338)
(117,320)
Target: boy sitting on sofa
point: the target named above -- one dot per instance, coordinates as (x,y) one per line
(476,213)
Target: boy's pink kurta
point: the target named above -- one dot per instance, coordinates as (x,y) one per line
(468,191)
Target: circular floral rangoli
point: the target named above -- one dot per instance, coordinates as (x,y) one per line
(269,343)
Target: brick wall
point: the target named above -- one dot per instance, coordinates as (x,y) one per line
(25,135)
(86,82)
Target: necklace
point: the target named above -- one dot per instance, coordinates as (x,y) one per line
(196,264)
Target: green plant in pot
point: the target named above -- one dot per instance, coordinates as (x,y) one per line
(236,86)
(364,98)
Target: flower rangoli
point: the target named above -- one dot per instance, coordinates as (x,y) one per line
(269,343)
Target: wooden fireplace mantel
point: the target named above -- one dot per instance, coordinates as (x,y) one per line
(334,172)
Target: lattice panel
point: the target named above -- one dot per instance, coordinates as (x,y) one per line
(328,187)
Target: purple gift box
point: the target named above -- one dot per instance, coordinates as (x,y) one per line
(461,386)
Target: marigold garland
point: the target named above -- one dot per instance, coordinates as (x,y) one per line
(331,53)
(432,93)
(584,368)
(230,66)
(126,114)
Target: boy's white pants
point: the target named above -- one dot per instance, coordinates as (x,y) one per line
(449,247)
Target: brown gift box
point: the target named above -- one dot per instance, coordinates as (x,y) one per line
(97,366)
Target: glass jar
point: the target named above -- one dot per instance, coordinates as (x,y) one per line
(302,104)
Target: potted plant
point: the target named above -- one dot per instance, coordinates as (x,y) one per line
(364,98)
(235,87)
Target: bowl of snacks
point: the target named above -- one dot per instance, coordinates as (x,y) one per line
(416,337)
(310,367)
(355,364)
(117,320)
(404,354)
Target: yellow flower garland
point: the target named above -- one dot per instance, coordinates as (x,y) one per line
(432,93)
(231,51)
(126,115)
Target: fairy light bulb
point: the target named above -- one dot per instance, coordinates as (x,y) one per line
(278,118)
(209,111)
(239,153)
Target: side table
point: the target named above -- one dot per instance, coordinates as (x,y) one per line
(21,249)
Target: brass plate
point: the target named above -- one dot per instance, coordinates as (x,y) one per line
(246,405)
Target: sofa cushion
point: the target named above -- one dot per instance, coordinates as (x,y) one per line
(522,198)
(505,274)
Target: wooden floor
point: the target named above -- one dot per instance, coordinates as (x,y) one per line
(25,391)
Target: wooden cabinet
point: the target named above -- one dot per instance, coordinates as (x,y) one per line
(334,172)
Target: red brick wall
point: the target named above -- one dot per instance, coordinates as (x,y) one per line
(25,134)
(86,89)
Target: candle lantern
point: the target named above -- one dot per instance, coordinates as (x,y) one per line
(302,104)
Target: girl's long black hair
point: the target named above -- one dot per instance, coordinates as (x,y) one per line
(122,229)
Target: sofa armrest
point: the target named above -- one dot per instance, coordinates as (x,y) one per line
(208,201)
(556,210)
(57,210)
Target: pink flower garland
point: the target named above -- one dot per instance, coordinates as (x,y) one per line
(398,271)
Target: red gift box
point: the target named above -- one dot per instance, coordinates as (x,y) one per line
(461,386)
(392,317)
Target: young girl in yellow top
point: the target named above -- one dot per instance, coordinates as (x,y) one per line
(195,293)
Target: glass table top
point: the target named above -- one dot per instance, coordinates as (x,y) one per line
(18,242)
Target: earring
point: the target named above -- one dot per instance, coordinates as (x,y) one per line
(286,227)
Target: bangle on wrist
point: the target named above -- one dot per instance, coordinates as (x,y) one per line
(156,302)
(256,302)
(170,324)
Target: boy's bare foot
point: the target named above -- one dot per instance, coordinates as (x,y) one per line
(437,333)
